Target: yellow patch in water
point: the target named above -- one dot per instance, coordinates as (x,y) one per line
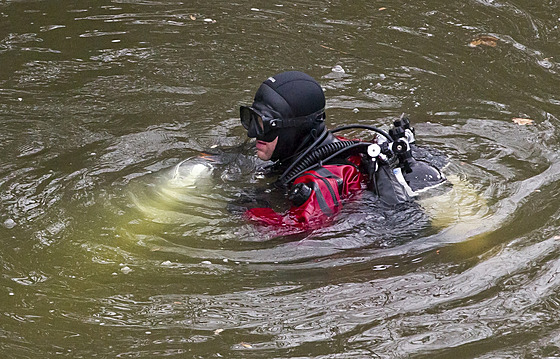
(460,209)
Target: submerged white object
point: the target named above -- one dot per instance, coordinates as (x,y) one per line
(183,194)
(190,173)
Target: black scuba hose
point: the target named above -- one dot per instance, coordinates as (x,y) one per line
(319,139)
(316,158)
(313,158)
(365,127)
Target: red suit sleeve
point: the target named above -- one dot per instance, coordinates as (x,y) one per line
(329,185)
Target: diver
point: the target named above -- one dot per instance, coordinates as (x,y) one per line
(319,170)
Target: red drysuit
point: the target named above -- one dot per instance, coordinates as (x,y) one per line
(330,185)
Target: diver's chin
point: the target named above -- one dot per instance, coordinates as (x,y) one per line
(265,149)
(262,155)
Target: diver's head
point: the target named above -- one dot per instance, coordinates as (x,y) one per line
(288,109)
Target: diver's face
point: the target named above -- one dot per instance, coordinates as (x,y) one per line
(265,149)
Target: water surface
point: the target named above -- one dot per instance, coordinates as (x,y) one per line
(110,249)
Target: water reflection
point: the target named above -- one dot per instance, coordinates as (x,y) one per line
(105,241)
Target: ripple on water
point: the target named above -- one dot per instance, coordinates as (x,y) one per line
(105,241)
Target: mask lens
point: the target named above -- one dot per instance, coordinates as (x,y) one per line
(260,124)
(246,115)
(252,121)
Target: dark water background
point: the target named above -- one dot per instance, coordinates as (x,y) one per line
(109,250)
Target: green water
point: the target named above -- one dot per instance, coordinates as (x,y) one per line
(109,248)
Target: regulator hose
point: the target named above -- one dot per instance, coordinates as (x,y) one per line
(365,127)
(312,158)
(318,140)
(317,156)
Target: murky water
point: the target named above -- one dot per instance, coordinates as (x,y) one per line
(110,248)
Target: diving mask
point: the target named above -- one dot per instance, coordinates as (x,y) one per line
(258,124)
(263,126)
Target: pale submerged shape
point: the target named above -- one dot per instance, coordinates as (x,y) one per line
(189,174)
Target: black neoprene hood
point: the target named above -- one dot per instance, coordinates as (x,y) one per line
(291,94)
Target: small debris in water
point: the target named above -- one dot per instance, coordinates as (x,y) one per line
(116,40)
(126,270)
(381,267)
(523,121)
(166,263)
(338,69)
(209,21)
(225,260)
(192,17)
(218,331)
(355,110)
(246,345)
(148,332)
(19,99)
(205,262)
(485,40)
(382,8)
(9,223)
